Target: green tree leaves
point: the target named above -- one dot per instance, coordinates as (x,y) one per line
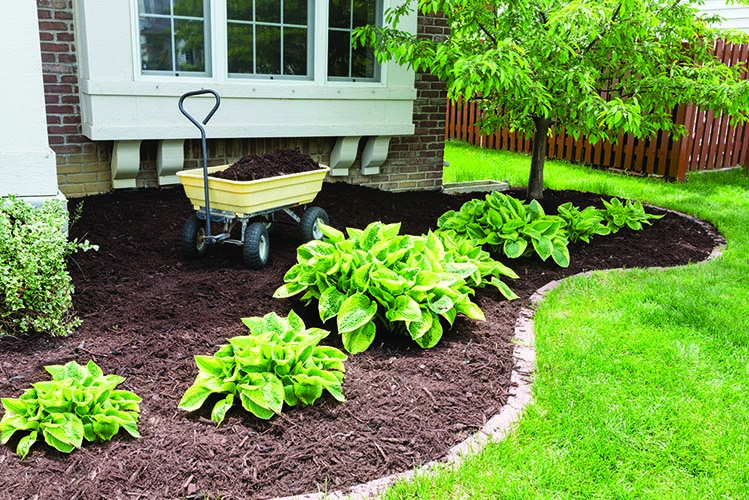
(79,403)
(599,68)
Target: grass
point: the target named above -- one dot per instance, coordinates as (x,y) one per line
(643,375)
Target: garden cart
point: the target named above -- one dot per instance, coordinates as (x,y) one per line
(251,204)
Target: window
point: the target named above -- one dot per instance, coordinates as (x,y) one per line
(345,62)
(173,36)
(269,37)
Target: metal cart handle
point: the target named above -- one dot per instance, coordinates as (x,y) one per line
(200,126)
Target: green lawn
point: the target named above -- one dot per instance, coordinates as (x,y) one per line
(642,385)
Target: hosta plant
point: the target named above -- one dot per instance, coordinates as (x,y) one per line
(629,214)
(279,362)
(581,225)
(376,276)
(511,227)
(79,403)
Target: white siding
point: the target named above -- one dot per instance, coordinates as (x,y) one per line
(736,16)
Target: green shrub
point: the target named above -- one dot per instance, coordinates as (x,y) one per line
(511,227)
(279,362)
(581,225)
(630,214)
(80,402)
(402,282)
(35,287)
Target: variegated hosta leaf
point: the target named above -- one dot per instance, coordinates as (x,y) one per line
(260,369)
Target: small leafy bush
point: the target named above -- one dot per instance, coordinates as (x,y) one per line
(35,287)
(402,282)
(80,402)
(630,214)
(581,225)
(511,227)
(279,362)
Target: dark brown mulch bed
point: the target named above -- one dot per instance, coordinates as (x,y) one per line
(279,162)
(146,313)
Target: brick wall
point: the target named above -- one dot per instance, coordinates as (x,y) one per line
(83,166)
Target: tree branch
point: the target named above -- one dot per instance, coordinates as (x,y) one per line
(613,18)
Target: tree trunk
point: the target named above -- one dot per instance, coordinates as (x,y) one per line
(538,155)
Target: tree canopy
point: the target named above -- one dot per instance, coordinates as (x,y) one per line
(598,67)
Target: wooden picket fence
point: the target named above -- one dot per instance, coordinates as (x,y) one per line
(712,141)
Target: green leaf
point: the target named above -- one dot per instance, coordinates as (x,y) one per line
(544,247)
(404,309)
(257,410)
(514,249)
(289,290)
(331,233)
(94,370)
(307,389)
(220,408)
(105,428)
(359,340)
(561,254)
(432,335)
(194,397)
(68,430)
(442,305)
(17,406)
(355,312)
(330,303)
(25,443)
(210,364)
(471,310)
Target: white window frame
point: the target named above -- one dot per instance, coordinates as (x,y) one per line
(272,76)
(377,66)
(172,17)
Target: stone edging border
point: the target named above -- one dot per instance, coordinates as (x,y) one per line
(499,426)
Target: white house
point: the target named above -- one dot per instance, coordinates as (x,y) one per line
(92,104)
(735,16)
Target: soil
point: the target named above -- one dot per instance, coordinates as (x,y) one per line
(146,312)
(275,163)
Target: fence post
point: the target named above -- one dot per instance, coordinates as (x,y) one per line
(687,119)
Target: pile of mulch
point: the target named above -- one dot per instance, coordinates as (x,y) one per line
(146,312)
(276,163)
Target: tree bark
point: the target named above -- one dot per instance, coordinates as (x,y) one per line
(538,155)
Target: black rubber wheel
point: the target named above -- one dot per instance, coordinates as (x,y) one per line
(193,243)
(256,246)
(267,221)
(309,227)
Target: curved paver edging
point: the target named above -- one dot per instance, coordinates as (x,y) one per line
(499,426)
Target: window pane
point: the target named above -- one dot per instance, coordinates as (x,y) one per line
(295,12)
(362,64)
(189,8)
(154,7)
(268,11)
(268,51)
(156,44)
(239,10)
(295,51)
(340,14)
(339,43)
(189,41)
(364,13)
(240,48)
